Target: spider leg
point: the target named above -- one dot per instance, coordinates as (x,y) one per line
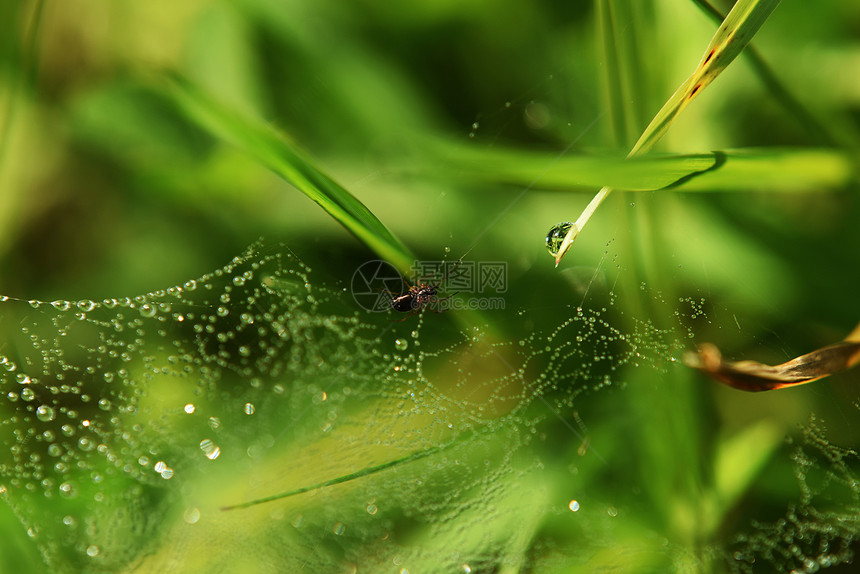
(449,296)
(439,300)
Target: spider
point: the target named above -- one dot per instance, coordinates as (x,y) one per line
(420,295)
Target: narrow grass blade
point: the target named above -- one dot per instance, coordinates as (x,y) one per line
(767,170)
(274,151)
(733,35)
(795,108)
(624,64)
(739,27)
(368,471)
(517,167)
(340,479)
(615,100)
(738,460)
(776,171)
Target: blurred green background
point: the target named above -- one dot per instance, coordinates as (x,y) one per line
(109,188)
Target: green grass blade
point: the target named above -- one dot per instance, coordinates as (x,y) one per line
(621,31)
(736,31)
(795,108)
(517,167)
(810,170)
(739,460)
(417,455)
(733,35)
(274,151)
(615,101)
(766,170)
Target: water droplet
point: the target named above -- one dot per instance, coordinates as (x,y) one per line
(338,528)
(45,413)
(249,408)
(189,408)
(574,505)
(86,305)
(61,305)
(93,551)
(537,115)
(556,235)
(401,344)
(147,310)
(28,394)
(191,515)
(372,509)
(210,449)
(67,490)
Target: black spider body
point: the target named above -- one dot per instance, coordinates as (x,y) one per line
(415,299)
(420,295)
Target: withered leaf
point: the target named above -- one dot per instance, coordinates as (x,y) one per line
(753,376)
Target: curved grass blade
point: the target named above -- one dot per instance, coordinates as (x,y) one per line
(517,167)
(810,170)
(783,170)
(339,480)
(736,31)
(278,154)
(368,471)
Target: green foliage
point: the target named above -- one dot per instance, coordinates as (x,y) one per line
(276,153)
(144,144)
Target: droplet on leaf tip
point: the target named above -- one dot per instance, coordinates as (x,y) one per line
(556,235)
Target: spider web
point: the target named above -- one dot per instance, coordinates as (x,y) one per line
(130,423)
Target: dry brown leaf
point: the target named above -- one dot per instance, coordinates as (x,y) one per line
(753,376)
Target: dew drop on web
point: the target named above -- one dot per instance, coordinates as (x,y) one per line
(141,416)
